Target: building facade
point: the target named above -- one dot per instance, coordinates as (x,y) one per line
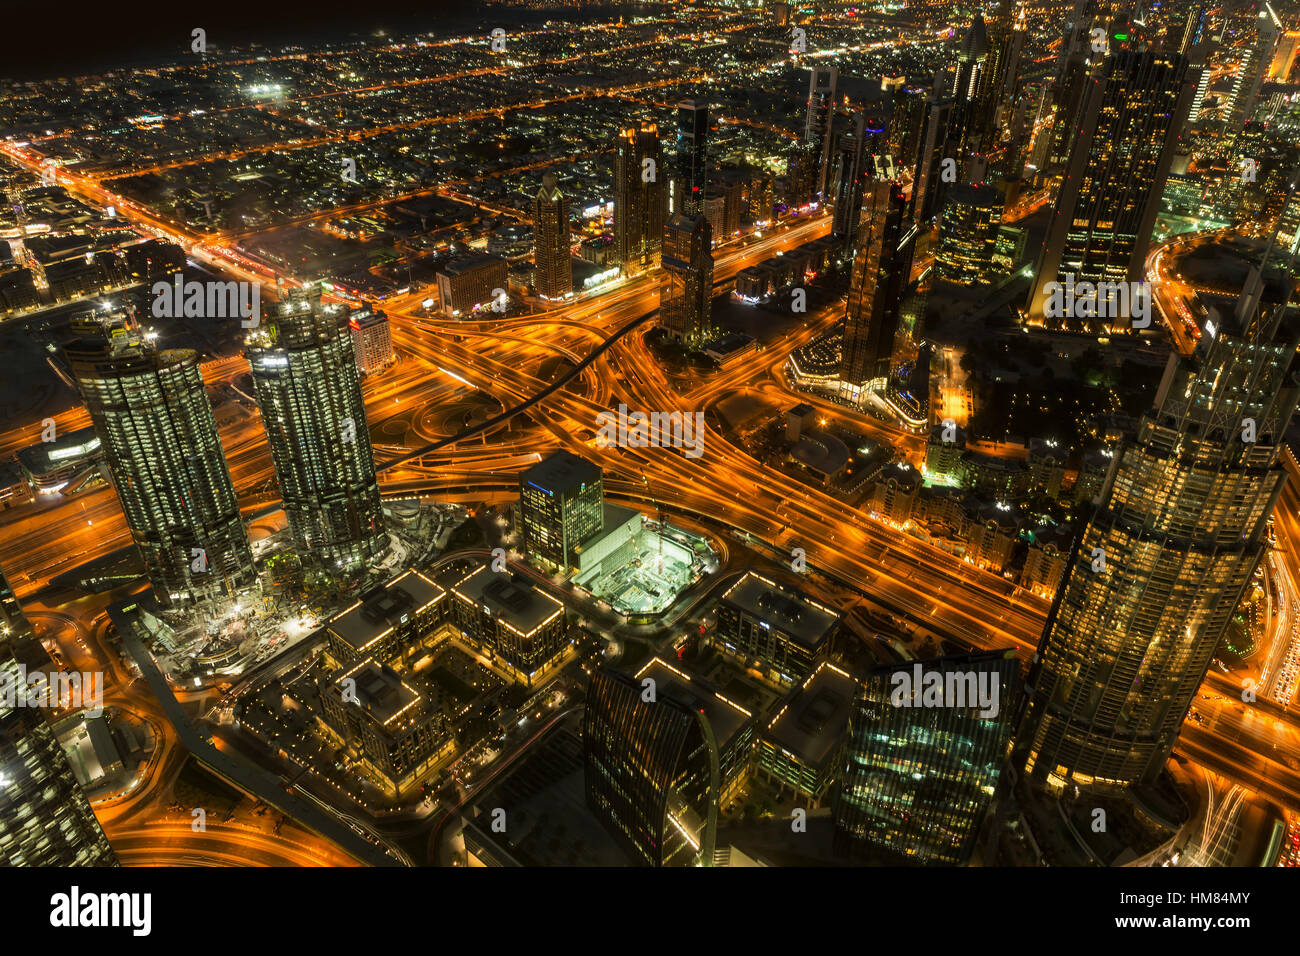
(159,437)
(308,388)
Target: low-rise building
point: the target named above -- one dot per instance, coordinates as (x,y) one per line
(519,626)
(389,725)
(782,631)
(801,748)
(389,623)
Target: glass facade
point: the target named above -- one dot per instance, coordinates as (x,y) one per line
(651,772)
(920,774)
(308,388)
(152,414)
(1176,536)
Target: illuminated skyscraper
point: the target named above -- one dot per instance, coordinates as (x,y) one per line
(1101,223)
(639,198)
(1178,531)
(552,270)
(45,818)
(561,507)
(686,302)
(1080,58)
(652,771)
(818,122)
(851,173)
(936,164)
(690,160)
(1196,45)
(306,383)
(881,270)
(1252,68)
(970,90)
(155,423)
(968,235)
(927,740)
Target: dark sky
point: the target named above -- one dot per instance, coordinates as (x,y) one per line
(41,38)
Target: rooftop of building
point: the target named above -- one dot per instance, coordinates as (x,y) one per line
(806,620)
(66,449)
(381,609)
(561,472)
(812,722)
(726,717)
(380,692)
(470,263)
(510,598)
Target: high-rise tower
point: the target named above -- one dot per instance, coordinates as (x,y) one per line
(818,121)
(881,269)
(639,198)
(686,302)
(309,391)
(1161,566)
(690,160)
(552,269)
(155,423)
(1252,68)
(851,173)
(1101,223)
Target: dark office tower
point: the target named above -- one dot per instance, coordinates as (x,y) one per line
(818,120)
(561,507)
(686,302)
(970,89)
(155,424)
(851,174)
(1252,68)
(968,235)
(45,818)
(308,388)
(934,174)
(927,741)
(881,271)
(903,130)
(552,270)
(639,198)
(1007,37)
(690,161)
(651,768)
(1075,66)
(1176,536)
(1101,223)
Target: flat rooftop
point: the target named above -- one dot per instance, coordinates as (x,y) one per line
(385,607)
(515,602)
(726,717)
(380,692)
(815,717)
(807,621)
(561,473)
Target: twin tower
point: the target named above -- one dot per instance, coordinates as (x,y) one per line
(156,424)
